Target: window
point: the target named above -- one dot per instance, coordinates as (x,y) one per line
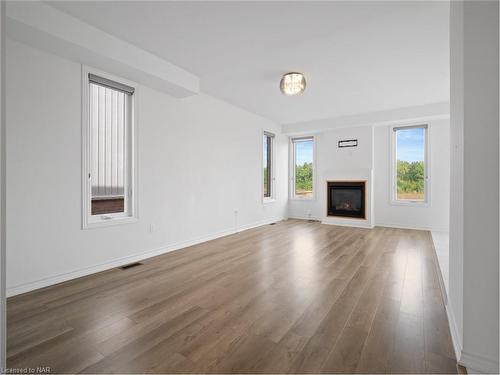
(108,151)
(268,166)
(409,164)
(303,168)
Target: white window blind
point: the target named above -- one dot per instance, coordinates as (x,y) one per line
(108,143)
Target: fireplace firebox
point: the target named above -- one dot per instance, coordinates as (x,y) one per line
(346,199)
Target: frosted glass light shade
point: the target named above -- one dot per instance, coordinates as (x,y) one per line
(293,83)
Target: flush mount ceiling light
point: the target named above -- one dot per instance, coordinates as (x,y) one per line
(293,83)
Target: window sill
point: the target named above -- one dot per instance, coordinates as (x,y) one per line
(302,199)
(410,203)
(107,223)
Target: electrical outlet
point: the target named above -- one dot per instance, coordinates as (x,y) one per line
(152,228)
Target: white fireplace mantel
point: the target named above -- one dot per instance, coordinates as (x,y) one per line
(359,174)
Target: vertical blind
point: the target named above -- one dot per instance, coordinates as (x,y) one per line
(108,108)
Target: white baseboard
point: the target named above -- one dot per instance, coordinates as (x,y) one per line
(476,364)
(353,224)
(304,217)
(473,363)
(456,340)
(452,323)
(439,271)
(52,280)
(245,227)
(414,227)
(370,226)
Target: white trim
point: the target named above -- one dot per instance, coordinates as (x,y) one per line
(291,170)
(415,227)
(117,220)
(441,273)
(409,203)
(52,280)
(131,211)
(392,175)
(356,223)
(477,364)
(455,337)
(298,217)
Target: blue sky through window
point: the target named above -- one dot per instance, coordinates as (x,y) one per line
(303,152)
(410,144)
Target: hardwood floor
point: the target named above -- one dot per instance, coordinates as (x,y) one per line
(293,297)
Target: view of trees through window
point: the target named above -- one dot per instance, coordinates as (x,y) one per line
(303,151)
(267,160)
(410,163)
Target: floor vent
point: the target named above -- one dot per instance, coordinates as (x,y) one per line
(127,266)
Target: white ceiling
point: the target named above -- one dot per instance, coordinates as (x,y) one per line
(357,56)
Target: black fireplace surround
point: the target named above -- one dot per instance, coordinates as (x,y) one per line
(346,199)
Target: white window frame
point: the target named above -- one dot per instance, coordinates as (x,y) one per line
(393,165)
(292,194)
(272,182)
(130,213)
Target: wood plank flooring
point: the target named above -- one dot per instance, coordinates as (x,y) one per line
(296,297)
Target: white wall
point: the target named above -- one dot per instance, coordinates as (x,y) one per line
(474,243)
(199,161)
(480,188)
(333,158)
(332,161)
(351,164)
(454,308)
(433,216)
(3,327)
(373,153)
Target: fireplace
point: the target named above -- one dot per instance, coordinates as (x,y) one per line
(346,199)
